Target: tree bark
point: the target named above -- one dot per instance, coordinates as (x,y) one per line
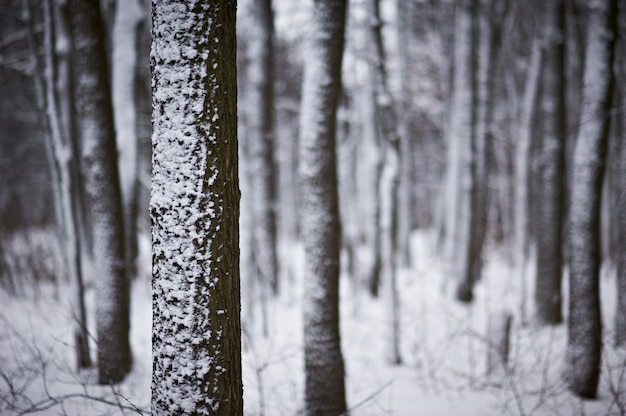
(321,229)
(96,133)
(549,227)
(194,208)
(261,144)
(128,16)
(389,148)
(584,341)
(461,169)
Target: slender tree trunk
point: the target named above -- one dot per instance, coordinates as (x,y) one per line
(620,312)
(261,144)
(64,174)
(549,226)
(96,131)
(194,207)
(406,194)
(584,341)
(522,172)
(461,170)
(128,16)
(321,229)
(389,177)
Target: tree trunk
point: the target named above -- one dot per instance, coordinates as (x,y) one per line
(522,172)
(620,312)
(321,229)
(96,132)
(584,341)
(549,226)
(65,178)
(261,144)
(389,176)
(128,16)
(194,207)
(461,169)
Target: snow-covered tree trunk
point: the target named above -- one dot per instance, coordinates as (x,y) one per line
(551,165)
(461,155)
(261,144)
(194,208)
(96,133)
(321,228)
(128,16)
(389,176)
(584,341)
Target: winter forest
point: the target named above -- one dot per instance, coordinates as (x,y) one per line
(282,207)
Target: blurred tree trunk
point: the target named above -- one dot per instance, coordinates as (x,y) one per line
(462,168)
(620,312)
(96,133)
(389,149)
(64,171)
(584,341)
(321,228)
(406,193)
(128,17)
(194,207)
(551,165)
(261,145)
(522,171)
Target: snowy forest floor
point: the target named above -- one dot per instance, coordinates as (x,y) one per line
(443,346)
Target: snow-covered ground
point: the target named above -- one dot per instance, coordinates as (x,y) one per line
(443,348)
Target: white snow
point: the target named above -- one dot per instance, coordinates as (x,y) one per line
(443,347)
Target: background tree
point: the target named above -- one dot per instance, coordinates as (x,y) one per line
(196,336)
(261,143)
(96,133)
(551,166)
(461,180)
(321,229)
(584,344)
(387,204)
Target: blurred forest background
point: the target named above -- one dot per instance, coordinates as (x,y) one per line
(485,130)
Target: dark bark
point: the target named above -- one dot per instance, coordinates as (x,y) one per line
(549,223)
(194,208)
(584,342)
(261,144)
(321,230)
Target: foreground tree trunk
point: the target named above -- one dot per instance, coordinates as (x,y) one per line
(194,208)
(584,341)
(548,299)
(324,368)
(96,133)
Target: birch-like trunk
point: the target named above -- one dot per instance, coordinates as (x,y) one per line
(321,228)
(194,207)
(96,134)
(389,149)
(584,341)
(521,214)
